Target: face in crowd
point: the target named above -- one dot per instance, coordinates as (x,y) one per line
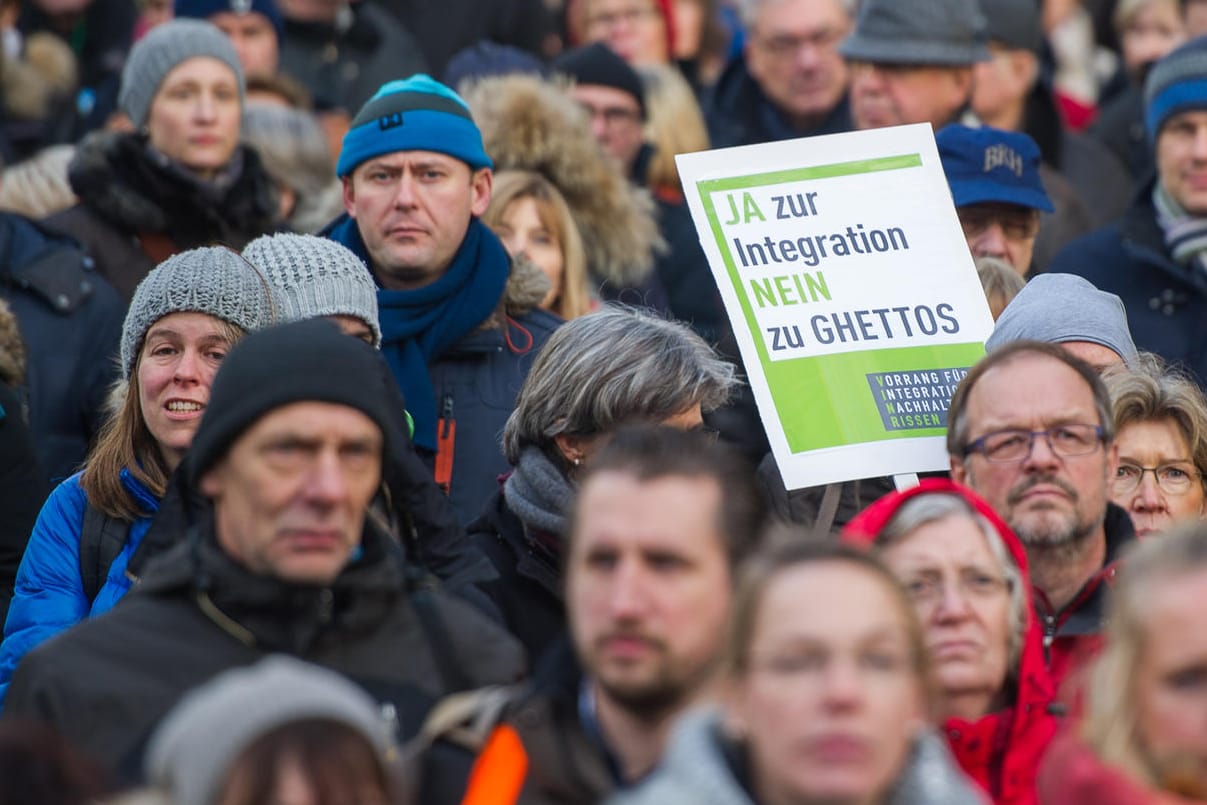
(526,226)
(1004,231)
(195,116)
(1157,480)
(961,589)
(1035,451)
(648,587)
(616,121)
(792,52)
(1182,160)
(290,495)
(413,209)
(895,94)
(828,691)
(180,355)
(254,38)
(634,29)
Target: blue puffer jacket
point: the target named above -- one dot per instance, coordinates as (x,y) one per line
(49,595)
(1165,301)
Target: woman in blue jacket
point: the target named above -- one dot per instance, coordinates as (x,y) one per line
(185,315)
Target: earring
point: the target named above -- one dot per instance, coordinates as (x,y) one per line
(578,461)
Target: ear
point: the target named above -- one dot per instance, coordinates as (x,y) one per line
(349,196)
(1112,461)
(573,448)
(210,484)
(1024,66)
(958,472)
(962,79)
(481,185)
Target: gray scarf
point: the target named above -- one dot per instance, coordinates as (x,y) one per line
(539,493)
(1185,234)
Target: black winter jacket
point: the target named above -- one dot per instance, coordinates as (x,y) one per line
(738,113)
(105,684)
(528,590)
(127,197)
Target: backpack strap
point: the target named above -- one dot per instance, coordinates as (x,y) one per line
(448,664)
(102,539)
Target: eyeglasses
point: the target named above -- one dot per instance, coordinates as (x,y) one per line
(1016,224)
(612,115)
(1015,444)
(1174,479)
(973,585)
(782,45)
(629,15)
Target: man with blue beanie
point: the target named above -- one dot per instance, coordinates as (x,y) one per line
(1155,257)
(459,329)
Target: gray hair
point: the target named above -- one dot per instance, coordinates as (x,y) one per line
(613,367)
(748,10)
(932,508)
(295,154)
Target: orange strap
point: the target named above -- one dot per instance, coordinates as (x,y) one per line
(446,440)
(499,772)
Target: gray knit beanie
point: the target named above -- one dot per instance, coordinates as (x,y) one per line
(1057,308)
(316,277)
(166,46)
(923,32)
(194,747)
(213,280)
(1177,83)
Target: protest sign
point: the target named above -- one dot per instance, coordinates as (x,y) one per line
(851,291)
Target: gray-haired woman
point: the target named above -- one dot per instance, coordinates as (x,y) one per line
(596,373)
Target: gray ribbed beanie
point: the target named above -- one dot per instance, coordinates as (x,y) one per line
(316,277)
(1177,83)
(213,280)
(166,46)
(1064,307)
(924,32)
(192,750)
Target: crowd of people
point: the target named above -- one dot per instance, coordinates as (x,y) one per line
(372,429)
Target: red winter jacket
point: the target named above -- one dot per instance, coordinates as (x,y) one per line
(1001,750)
(1072,773)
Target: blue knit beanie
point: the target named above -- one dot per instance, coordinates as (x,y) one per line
(204,9)
(1177,83)
(415,114)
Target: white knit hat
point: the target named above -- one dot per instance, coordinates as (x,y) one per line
(316,277)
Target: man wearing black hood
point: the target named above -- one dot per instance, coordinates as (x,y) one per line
(275,555)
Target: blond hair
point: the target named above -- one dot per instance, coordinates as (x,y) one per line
(511,186)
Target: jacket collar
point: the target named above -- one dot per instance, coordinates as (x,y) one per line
(272,614)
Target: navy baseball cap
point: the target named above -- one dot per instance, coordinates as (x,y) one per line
(987,165)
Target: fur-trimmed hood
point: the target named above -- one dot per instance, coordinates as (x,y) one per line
(530,124)
(115,175)
(31,84)
(12,348)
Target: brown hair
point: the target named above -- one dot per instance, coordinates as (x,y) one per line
(649,452)
(788,549)
(511,186)
(125,442)
(957,420)
(338,762)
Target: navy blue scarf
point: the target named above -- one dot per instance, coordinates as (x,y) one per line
(418,326)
